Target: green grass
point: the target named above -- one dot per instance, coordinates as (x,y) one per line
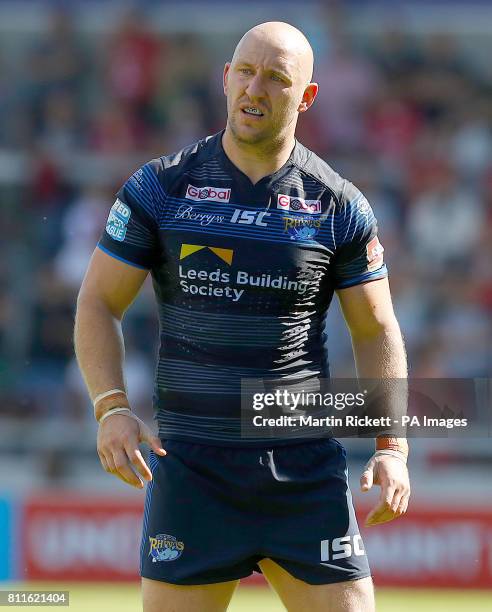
(126,598)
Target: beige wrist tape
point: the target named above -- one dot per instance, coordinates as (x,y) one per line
(392,443)
(392,453)
(102,396)
(115,398)
(117,410)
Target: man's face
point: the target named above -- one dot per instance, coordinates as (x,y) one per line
(264,86)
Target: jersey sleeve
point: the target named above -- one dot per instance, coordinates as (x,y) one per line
(131,233)
(358,252)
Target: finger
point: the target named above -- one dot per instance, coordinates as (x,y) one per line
(383,512)
(395,502)
(403,506)
(367,478)
(387,493)
(103,461)
(110,463)
(138,462)
(124,471)
(112,468)
(153,441)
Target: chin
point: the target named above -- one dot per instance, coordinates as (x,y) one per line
(247,135)
(249,138)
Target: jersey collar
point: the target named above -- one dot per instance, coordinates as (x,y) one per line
(267,182)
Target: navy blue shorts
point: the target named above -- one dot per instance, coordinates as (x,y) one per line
(211,513)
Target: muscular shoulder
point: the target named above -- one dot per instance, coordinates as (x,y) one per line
(316,170)
(169,168)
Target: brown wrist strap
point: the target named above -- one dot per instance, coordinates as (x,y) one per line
(392,443)
(116,400)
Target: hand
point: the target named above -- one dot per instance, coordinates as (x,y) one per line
(391,474)
(117,446)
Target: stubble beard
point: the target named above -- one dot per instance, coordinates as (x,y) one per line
(267,140)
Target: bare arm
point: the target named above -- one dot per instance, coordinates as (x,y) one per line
(376,337)
(379,353)
(108,289)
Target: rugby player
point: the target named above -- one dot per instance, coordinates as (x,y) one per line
(247,235)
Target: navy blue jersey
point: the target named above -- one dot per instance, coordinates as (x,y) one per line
(243,274)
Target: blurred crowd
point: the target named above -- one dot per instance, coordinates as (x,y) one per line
(407,119)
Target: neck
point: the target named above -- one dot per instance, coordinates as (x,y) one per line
(255,161)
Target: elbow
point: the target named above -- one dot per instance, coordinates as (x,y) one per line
(93,303)
(374,328)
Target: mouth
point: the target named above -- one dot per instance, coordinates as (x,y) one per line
(251,111)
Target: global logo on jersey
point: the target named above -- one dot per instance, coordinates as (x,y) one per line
(164,547)
(374,251)
(117,222)
(301,228)
(295,204)
(212,194)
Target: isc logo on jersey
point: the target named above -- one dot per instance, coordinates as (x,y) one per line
(117,222)
(249,217)
(289,203)
(211,194)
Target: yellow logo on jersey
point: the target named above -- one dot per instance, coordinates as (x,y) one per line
(189,249)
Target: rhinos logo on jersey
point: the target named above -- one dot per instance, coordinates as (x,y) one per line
(117,222)
(301,228)
(164,547)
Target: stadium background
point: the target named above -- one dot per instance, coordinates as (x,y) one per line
(88,91)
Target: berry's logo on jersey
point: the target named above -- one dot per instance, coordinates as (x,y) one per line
(164,547)
(211,194)
(117,222)
(189,249)
(294,204)
(374,250)
(186,211)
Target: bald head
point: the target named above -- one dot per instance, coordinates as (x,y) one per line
(286,41)
(268,84)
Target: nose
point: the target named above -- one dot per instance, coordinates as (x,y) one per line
(255,87)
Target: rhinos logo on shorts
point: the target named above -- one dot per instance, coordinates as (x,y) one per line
(164,547)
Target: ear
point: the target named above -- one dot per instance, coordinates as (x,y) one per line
(224,78)
(308,97)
